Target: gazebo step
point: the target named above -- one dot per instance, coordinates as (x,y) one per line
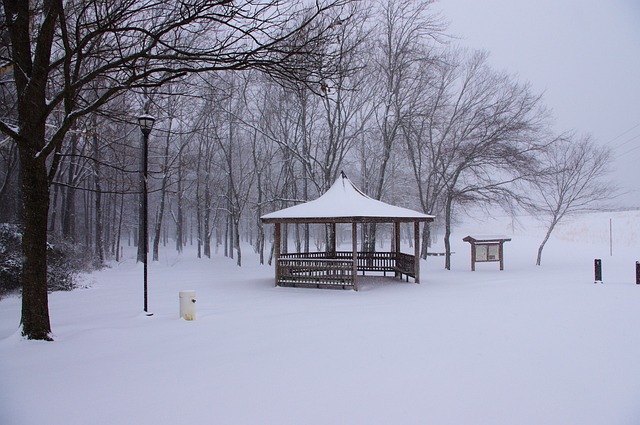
(319,285)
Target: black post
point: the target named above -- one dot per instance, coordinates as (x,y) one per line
(598,270)
(145,159)
(637,272)
(146,123)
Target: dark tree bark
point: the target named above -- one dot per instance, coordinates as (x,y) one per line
(69,199)
(448,211)
(163,193)
(99,242)
(179,217)
(121,215)
(31,81)
(35,308)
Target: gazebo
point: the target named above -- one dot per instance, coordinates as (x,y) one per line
(344,203)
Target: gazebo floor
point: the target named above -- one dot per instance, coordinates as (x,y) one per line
(369,280)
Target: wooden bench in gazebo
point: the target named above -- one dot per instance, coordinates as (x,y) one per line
(344,203)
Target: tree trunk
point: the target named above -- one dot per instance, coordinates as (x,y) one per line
(370,237)
(199,233)
(69,200)
(158,228)
(226,235)
(54,206)
(113,232)
(35,302)
(426,239)
(198,205)
(206,233)
(285,239)
(180,218)
(260,236)
(236,232)
(544,241)
(447,232)
(99,243)
(298,238)
(198,221)
(88,222)
(163,193)
(119,227)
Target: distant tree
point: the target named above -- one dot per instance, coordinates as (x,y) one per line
(404,30)
(476,138)
(575,181)
(57,50)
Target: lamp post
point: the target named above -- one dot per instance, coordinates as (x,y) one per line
(146,124)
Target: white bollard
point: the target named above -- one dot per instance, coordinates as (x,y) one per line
(188,305)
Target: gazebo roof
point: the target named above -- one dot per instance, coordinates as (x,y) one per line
(345,203)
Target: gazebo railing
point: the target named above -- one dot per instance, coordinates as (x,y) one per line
(405,264)
(318,272)
(322,268)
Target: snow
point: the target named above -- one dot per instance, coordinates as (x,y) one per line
(489,238)
(528,345)
(344,200)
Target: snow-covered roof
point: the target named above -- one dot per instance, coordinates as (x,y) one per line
(486,238)
(345,203)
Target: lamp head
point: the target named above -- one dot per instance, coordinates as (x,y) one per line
(146,123)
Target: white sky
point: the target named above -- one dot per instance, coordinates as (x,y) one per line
(584,55)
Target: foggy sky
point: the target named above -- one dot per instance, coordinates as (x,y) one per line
(583,55)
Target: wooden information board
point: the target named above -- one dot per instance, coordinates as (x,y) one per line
(486,249)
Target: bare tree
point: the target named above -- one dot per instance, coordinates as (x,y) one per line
(171,106)
(236,160)
(405,30)
(574,182)
(423,140)
(126,44)
(479,136)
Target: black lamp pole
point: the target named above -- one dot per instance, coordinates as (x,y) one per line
(146,124)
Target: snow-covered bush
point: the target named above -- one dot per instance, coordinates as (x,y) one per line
(64,261)
(10,258)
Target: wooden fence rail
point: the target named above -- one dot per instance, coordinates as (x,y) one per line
(316,272)
(321,269)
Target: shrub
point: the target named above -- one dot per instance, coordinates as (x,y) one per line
(10,258)
(64,262)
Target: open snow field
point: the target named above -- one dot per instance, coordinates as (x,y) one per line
(528,345)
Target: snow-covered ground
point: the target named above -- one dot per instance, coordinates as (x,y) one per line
(528,345)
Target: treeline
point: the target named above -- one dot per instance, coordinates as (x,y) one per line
(412,118)
(258,107)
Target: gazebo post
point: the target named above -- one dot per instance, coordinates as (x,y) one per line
(416,250)
(354,245)
(473,257)
(396,244)
(276,250)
